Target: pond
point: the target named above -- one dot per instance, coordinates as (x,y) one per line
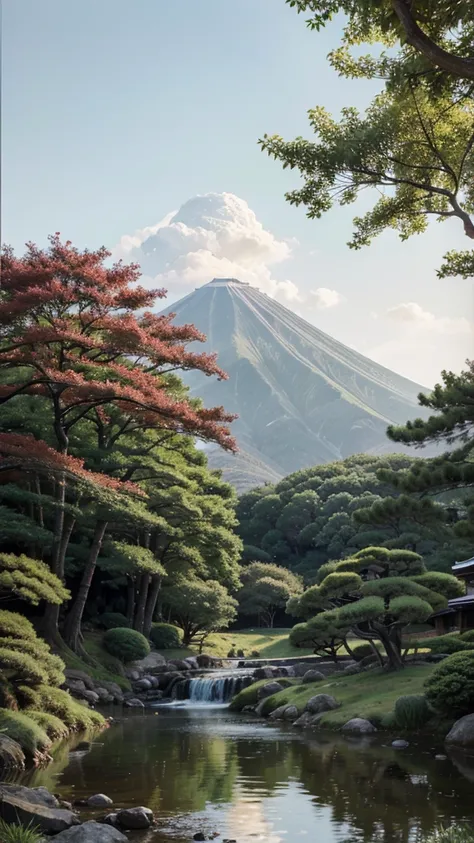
(206,769)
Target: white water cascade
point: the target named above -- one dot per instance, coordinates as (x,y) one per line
(212,689)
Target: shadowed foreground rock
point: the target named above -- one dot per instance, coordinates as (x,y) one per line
(91,832)
(462,733)
(36,807)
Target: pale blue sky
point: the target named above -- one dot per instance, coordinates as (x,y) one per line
(117,112)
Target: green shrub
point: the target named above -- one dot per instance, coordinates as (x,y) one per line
(255,654)
(19,833)
(25,659)
(128,645)
(450,688)
(240,654)
(29,734)
(231,654)
(76,716)
(455,834)
(445,644)
(113,620)
(165,636)
(468,637)
(52,725)
(412,712)
(361,651)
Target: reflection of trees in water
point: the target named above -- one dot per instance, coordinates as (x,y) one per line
(383,794)
(177,766)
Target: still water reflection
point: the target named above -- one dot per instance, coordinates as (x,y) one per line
(210,770)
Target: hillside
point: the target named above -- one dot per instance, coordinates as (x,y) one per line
(302,397)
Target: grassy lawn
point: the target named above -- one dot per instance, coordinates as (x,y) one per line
(270,643)
(369,695)
(108,668)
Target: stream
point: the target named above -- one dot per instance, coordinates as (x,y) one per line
(200,767)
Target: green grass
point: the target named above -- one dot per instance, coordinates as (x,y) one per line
(370,695)
(52,725)
(248,696)
(25,731)
(19,833)
(107,667)
(270,643)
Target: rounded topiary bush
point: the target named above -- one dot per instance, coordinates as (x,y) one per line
(113,620)
(468,637)
(412,711)
(450,688)
(165,636)
(361,651)
(446,644)
(128,645)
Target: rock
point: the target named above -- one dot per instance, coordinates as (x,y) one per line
(352,669)
(268,690)
(91,697)
(165,679)
(263,673)
(199,835)
(133,675)
(148,663)
(81,676)
(75,686)
(110,819)
(64,804)
(142,685)
(300,669)
(99,800)
(279,713)
(248,709)
(135,818)
(91,832)
(134,703)
(462,732)
(104,695)
(320,703)
(290,713)
(113,689)
(29,807)
(441,757)
(400,744)
(313,676)
(153,680)
(35,795)
(359,726)
(192,661)
(204,660)
(12,756)
(180,665)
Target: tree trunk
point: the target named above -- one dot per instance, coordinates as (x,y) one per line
(142,601)
(130,600)
(153,594)
(72,626)
(50,622)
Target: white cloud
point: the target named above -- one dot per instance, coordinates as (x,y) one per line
(412,315)
(414,345)
(323,298)
(215,235)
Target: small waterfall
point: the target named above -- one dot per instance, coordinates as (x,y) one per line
(207,689)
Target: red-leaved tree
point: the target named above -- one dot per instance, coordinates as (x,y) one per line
(80,336)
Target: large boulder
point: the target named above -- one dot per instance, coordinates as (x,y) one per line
(462,732)
(146,665)
(313,676)
(91,832)
(133,702)
(321,703)
(142,685)
(268,690)
(34,807)
(192,661)
(284,712)
(307,720)
(135,818)
(12,756)
(300,668)
(359,726)
(79,676)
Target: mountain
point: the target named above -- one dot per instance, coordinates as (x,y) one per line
(302,397)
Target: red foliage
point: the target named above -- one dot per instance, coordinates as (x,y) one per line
(25,453)
(70,325)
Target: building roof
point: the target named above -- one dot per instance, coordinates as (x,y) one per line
(461,601)
(461,566)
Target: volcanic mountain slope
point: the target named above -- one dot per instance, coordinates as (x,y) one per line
(302,397)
